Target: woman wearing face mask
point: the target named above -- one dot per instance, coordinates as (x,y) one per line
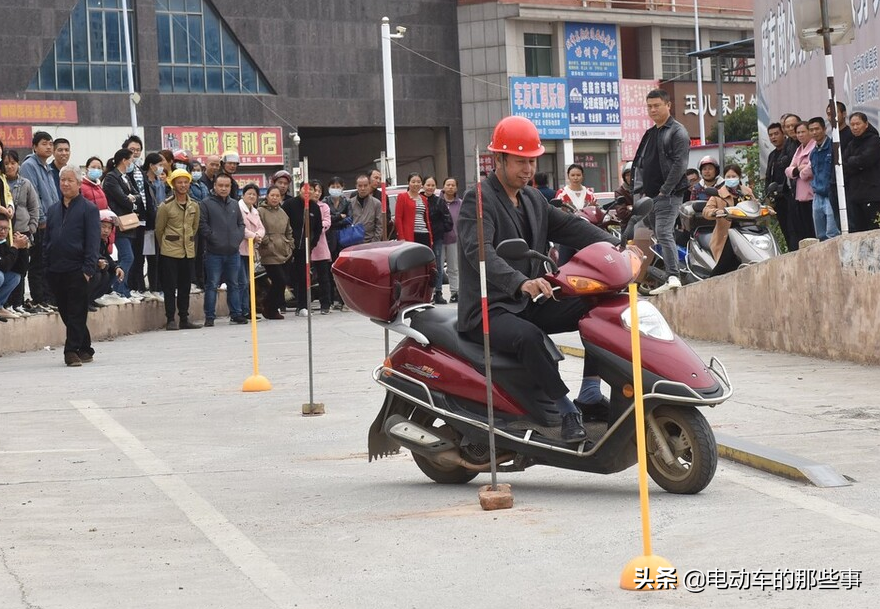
(91,184)
(198,190)
(340,210)
(123,199)
(732,192)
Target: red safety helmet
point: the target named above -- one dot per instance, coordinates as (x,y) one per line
(181,155)
(518,136)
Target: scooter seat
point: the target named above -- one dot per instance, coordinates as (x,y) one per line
(438,326)
(704,238)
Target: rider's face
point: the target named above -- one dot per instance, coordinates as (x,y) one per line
(516,171)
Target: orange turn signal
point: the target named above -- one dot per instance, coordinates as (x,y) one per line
(628,391)
(585,285)
(733,211)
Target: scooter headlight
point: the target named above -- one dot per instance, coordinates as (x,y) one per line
(762,242)
(651,321)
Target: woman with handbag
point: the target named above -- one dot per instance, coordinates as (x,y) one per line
(276,248)
(124,201)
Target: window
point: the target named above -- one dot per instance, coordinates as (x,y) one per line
(539,54)
(199,54)
(675,61)
(89,53)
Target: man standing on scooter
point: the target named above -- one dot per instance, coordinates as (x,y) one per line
(513,210)
(659,172)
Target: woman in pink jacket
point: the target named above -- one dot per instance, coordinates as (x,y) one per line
(321,259)
(253,229)
(801,173)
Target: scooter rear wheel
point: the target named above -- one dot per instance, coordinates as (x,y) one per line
(692,442)
(436,472)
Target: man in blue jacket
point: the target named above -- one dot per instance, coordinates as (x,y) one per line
(822,182)
(73,241)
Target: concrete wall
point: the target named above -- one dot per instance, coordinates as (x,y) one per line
(39,331)
(823,301)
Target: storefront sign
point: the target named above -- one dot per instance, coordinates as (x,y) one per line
(259,179)
(38,112)
(487,164)
(16,136)
(685,105)
(592,68)
(634,120)
(255,145)
(544,102)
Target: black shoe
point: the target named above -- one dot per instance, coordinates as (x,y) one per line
(93,308)
(209,323)
(438,298)
(454,297)
(239,319)
(572,428)
(86,357)
(597,412)
(71,358)
(185,324)
(172,325)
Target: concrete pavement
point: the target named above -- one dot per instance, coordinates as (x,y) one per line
(147,479)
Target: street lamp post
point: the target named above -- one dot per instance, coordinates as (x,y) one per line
(388,88)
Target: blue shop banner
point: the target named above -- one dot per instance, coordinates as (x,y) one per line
(593,67)
(544,101)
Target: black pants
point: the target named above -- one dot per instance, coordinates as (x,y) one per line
(862,216)
(522,335)
(298,279)
(198,264)
(275,297)
(728,261)
(99,284)
(322,270)
(71,291)
(37,281)
(135,279)
(16,299)
(801,214)
(177,278)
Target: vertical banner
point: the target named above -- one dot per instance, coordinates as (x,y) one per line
(634,119)
(592,65)
(544,101)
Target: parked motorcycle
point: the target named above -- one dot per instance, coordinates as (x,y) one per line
(436,387)
(749,234)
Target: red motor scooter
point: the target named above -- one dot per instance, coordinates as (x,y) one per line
(436,388)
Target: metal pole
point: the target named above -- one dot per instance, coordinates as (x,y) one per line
(700,103)
(307,232)
(720,109)
(835,132)
(129,68)
(487,352)
(388,88)
(385,238)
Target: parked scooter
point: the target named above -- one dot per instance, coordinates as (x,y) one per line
(436,387)
(749,234)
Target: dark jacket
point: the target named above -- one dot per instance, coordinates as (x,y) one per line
(861,167)
(674,148)
(340,213)
(221,224)
(441,219)
(500,222)
(118,187)
(293,207)
(73,237)
(10,259)
(777,162)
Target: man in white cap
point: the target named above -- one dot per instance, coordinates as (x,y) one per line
(231,161)
(177,228)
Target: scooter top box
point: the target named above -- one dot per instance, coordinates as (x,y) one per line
(380,279)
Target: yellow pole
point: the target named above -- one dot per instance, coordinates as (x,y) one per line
(643,572)
(255,382)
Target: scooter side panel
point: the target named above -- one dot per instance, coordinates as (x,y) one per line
(673,360)
(447,374)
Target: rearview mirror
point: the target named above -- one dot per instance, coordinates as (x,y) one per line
(513,249)
(711,191)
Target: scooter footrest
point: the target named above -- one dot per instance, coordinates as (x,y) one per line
(595,430)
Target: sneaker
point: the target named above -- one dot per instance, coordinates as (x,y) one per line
(157,296)
(21,311)
(338,306)
(345,308)
(454,297)
(86,357)
(72,359)
(325,311)
(302,313)
(222,287)
(238,319)
(93,308)
(7,314)
(172,325)
(672,283)
(186,324)
(113,298)
(194,289)
(209,323)
(572,428)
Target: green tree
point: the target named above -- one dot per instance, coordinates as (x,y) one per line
(739,126)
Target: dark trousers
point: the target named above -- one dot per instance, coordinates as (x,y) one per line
(522,335)
(801,220)
(177,278)
(16,299)
(71,291)
(728,261)
(135,279)
(198,264)
(37,280)
(99,284)
(322,270)
(862,216)
(275,297)
(298,278)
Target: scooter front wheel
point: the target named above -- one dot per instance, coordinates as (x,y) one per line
(692,443)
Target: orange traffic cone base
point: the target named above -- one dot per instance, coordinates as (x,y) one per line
(256,382)
(645,573)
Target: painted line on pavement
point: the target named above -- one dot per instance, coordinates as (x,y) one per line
(265,575)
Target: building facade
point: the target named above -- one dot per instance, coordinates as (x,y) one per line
(294,66)
(581,68)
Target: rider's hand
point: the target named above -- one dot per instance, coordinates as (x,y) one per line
(536,287)
(635,249)
(720,213)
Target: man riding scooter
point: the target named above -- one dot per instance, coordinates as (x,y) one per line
(518,318)
(732,192)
